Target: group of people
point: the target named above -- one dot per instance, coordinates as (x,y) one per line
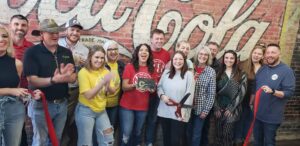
(90,93)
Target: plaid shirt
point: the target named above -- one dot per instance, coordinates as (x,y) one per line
(205,91)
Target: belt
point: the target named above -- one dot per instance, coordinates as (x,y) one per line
(73,88)
(55,101)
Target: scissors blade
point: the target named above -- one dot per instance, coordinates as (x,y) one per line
(185,97)
(187,106)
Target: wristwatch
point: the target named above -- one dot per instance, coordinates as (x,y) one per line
(273,91)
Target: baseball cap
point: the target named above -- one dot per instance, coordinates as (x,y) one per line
(73,22)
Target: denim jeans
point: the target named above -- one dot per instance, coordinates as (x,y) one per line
(194,131)
(151,120)
(58,114)
(264,133)
(242,126)
(88,121)
(12,116)
(112,113)
(132,122)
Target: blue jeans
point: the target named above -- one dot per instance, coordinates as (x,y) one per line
(264,133)
(12,116)
(151,120)
(194,131)
(88,121)
(58,114)
(112,113)
(243,124)
(132,122)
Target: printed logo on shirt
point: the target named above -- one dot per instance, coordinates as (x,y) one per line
(159,66)
(274,77)
(140,75)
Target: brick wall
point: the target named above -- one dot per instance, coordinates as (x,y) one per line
(235,24)
(290,128)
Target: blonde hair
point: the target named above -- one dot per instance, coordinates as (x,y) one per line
(10,49)
(182,42)
(206,50)
(248,67)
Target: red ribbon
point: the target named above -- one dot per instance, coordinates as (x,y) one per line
(256,102)
(51,130)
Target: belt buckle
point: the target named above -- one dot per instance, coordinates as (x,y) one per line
(58,101)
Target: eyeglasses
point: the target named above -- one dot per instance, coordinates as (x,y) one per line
(112,49)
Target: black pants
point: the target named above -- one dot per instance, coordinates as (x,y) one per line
(173,132)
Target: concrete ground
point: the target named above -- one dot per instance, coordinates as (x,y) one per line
(288,143)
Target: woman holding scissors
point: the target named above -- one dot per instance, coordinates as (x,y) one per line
(175,87)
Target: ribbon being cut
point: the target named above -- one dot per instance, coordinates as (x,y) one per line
(50,126)
(256,102)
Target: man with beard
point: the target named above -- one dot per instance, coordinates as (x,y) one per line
(160,58)
(214,49)
(278,83)
(18,30)
(80,53)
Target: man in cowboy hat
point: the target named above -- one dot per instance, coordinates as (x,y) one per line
(80,53)
(48,67)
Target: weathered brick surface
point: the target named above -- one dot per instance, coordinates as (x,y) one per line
(198,21)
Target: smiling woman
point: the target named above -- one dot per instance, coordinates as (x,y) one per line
(90,114)
(12,110)
(231,89)
(174,84)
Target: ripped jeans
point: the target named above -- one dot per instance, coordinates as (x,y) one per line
(12,116)
(87,121)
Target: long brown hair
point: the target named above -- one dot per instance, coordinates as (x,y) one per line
(135,58)
(236,71)
(184,68)
(93,50)
(248,67)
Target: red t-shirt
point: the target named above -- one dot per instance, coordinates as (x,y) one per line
(135,99)
(20,50)
(160,59)
(19,53)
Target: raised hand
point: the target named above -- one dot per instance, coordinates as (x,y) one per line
(64,73)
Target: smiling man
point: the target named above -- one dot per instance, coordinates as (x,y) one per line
(80,53)
(278,83)
(48,67)
(18,29)
(160,58)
